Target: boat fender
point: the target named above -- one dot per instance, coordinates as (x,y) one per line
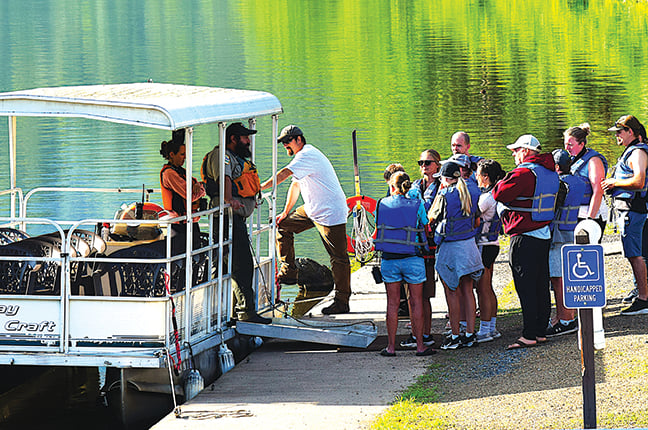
(193,380)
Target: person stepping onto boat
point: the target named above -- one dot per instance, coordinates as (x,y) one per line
(399,235)
(242,187)
(324,208)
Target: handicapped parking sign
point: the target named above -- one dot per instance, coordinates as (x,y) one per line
(583,276)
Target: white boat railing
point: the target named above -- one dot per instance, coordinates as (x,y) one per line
(68,328)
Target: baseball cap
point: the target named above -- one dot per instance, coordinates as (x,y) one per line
(289,131)
(237,129)
(461,159)
(626,121)
(562,159)
(527,141)
(449,170)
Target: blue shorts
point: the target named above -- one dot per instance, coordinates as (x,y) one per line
(555,259)
(410,270)
(631,226)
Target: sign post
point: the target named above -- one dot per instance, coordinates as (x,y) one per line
(584,289)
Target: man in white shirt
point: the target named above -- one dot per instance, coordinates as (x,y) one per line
(324,208)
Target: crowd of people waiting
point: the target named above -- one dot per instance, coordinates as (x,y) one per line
(449,222)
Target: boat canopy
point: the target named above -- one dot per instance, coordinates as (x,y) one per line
(163,106)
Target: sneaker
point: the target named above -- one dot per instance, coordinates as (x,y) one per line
(410,342)
(630,297)
(469,341)
(450,343)
(448,330)
(560,328)
(495,334)
(637,307)
(484,337)
(336,308)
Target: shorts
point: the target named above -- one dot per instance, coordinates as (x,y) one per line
(489,254)
(555,259)
(410,270)
(429,286)
(631,225)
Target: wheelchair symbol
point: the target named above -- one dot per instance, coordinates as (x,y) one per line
(581,270)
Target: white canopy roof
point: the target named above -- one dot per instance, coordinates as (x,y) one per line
(164,106)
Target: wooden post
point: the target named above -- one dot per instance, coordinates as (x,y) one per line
(586,332)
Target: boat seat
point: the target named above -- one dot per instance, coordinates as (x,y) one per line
(132,279)
(32,276)
(144,279)
(10,235)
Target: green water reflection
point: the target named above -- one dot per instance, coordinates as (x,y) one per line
(405,74)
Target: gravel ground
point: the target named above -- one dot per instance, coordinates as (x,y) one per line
(541,387)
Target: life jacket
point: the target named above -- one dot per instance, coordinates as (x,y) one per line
(566,215)
(247,184)
(622,170)
(580,167)
(170,199)
(544,195)
(397,225)
(490,232)
(455,225)
(425,195)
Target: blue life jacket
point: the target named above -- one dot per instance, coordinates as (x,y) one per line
(490,233)
(580,167)
(396,225)
(427,195)
(566,216)
(622,170)
(544,194)
(455,225)
(475,158)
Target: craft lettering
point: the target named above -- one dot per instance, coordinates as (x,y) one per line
(15,325)
(9,310)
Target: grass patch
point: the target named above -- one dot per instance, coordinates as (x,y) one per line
(425,389)
(411,415)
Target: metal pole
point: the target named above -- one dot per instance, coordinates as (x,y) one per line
(221,214)
(273,212)
(586,333)
(189,231)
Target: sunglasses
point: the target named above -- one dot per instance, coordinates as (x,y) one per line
(427,162)
(286,142)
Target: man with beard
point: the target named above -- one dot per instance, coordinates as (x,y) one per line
(324,208)
(242,186)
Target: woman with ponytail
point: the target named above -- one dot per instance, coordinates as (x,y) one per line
(399,225)
(489,172)
(455,212)
(173,182)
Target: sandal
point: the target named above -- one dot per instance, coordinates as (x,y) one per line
(542,340)
(519,344)
(386,353)
(426,352)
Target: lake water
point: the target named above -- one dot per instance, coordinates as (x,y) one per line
(406,75)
